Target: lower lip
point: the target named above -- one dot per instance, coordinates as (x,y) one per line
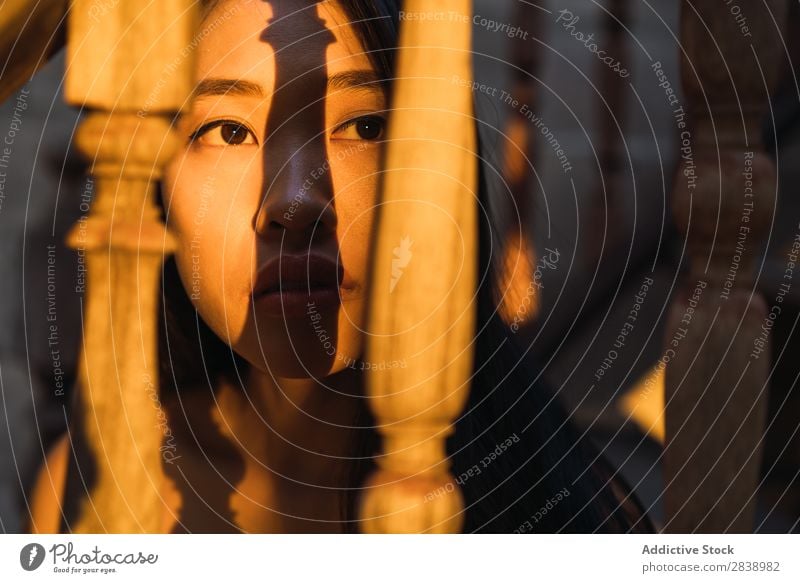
(298,303)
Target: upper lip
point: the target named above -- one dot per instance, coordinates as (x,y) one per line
(299,273)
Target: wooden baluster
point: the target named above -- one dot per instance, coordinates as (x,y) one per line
(424,275)
(130,63)
(606,203)
(518,254)
(716,383)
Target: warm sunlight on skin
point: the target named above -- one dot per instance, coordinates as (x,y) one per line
(270,171)
(280,158)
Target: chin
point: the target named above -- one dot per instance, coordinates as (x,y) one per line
(294,359)
(292,369)
(314,346)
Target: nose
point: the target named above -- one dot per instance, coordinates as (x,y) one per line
(298,201)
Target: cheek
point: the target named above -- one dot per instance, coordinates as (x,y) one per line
(212,225)
(203,191)
(356,185)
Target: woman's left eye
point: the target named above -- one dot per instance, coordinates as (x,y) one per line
(224,132)
(367,127)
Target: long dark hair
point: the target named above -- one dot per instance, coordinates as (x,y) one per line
(547,476)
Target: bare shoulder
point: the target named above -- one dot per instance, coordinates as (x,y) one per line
(48,489)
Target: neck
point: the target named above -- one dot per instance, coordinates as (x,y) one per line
(308,424)
(281,447)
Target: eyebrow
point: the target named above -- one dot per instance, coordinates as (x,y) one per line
(360,80)
(217,86)
(364,80)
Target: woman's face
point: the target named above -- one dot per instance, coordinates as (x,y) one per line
(272,193)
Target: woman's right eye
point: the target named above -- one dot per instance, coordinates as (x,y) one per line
(224,132)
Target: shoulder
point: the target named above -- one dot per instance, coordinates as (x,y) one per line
(48,490)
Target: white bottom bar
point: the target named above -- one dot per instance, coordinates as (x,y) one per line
(397,558)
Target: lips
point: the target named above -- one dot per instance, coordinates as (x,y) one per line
(289,285)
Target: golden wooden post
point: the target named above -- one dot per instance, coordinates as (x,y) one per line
(516,306)
(130,64)
(716,382)
(424,273)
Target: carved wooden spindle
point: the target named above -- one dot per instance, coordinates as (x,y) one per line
(716,382)
(424,275)
(516,269)
(610,111)
(127,62)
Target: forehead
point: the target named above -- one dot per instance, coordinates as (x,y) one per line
(246,38)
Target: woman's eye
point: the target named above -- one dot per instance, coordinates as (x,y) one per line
(368,127)
(224,133)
